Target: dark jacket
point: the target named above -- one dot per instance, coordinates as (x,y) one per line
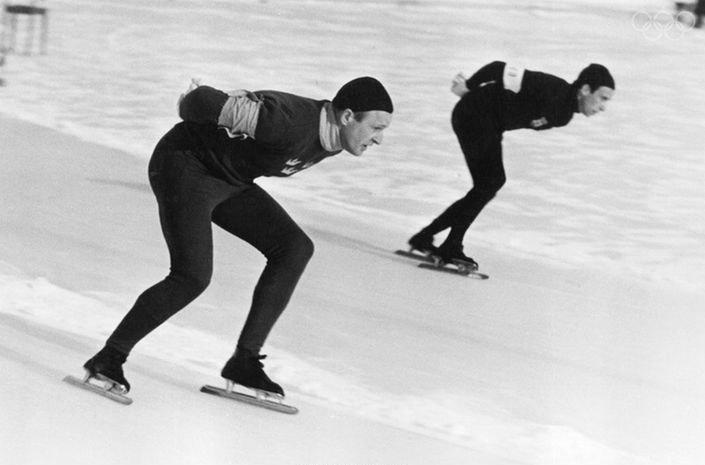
(286,139)
(522,98)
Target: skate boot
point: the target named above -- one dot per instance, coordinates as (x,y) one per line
(246,369)
(106,365)
(422,242)
(453,253)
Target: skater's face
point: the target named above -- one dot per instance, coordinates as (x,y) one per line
(360,130)
(591,103)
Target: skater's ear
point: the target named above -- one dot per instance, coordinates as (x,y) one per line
(585,90)
(346,116)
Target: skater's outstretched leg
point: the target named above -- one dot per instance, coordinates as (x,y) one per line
(258,219)
(468,209)
(481,144)
(186,197)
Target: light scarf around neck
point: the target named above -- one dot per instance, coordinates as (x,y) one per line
(329,131)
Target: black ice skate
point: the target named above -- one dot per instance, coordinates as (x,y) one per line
(104,376)
(451,259)
(106,365)
(452,253)
(445,258)
(245,369)
(420,247)
(423,243)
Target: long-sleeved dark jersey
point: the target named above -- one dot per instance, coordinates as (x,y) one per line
(525,99)
(284,138)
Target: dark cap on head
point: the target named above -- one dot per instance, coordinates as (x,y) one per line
(595,76)
(363,94)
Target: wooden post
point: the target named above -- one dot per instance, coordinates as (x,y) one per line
(11,12)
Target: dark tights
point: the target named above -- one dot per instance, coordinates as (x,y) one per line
(189,199)
(481,142)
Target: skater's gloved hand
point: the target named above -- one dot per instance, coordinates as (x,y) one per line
(458,87)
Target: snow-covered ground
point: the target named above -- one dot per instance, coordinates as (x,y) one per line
(584,347)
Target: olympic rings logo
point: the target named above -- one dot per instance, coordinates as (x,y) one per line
(655,26)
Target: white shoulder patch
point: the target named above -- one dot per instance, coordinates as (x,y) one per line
(512,78)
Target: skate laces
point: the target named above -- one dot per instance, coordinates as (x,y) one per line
(257,360)
(252,361)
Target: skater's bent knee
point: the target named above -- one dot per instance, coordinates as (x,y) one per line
(496,184)
(296,249)
(193,283)
(302,247)
(490,189)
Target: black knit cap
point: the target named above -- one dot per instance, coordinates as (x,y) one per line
(363,94)
(595,76)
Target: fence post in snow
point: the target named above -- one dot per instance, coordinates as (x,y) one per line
(10,15)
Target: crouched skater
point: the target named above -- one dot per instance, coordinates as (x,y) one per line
(498,98)
(202,171)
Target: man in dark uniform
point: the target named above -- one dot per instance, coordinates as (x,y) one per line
(499,98)
(202,171)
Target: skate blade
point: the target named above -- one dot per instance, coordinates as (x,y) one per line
(463,265)
(260,394)
(108,384)
(268,402)
(415,254)
(106,389)
(454,269)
